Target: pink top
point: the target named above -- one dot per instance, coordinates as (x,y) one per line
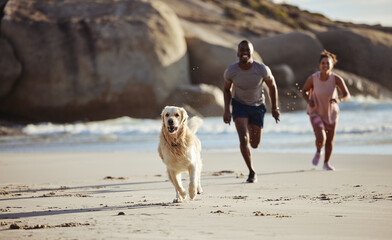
(322,93)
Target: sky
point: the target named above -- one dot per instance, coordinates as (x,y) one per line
(356,11)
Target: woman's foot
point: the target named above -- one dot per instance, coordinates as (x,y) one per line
(316,159)
(328,167)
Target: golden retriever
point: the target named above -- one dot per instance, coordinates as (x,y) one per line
(179,148)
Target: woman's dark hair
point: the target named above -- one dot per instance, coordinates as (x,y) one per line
(326,54)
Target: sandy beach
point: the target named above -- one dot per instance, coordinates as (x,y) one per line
(119,195)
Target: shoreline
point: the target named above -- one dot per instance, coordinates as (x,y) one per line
(127,195)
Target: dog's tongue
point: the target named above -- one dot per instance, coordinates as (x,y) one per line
(172,128)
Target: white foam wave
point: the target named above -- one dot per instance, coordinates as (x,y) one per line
(360,129)
(366,103)
(363,122)
(123,125)
(291,123)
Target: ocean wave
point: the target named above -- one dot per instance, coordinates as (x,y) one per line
(359,115)
(366,103)
(123,125)
(361,130)
(291,124)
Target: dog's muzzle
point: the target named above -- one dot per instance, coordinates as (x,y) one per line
(171,128)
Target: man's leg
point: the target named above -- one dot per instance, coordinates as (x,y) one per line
(241,125)
(255,133)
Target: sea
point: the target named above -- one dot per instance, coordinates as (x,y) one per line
(364,127)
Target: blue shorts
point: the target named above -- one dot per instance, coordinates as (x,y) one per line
(254,114)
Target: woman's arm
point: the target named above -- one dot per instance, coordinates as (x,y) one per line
(306,89)
(342,89)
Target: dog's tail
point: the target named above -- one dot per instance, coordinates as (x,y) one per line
(194,123)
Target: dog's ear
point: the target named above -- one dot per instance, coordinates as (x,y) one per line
(163,114)
(184,115)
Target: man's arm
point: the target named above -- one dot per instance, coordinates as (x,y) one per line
(273,93)
(227,100)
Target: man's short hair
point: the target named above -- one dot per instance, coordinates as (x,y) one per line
(247,42)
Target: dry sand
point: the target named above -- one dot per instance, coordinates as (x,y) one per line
(127,196)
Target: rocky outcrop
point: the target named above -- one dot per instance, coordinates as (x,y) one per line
(358,85)
(2,6)
(292,58)
(205,100)
(10,67)
(289,91)
(364,52)
(88,60)
(297,50)
(283,74)
(290,65)
(93,60)
(208,61)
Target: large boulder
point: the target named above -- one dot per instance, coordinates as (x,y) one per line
(364,52)
(93,59)
(358,85)
(283,74)
(208,61)
(2,5)
(10,67)
(299,51)
(206,100)
(290,98)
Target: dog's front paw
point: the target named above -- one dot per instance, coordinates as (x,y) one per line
(192,192)
(179,200)
(199,190)
(180,196)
